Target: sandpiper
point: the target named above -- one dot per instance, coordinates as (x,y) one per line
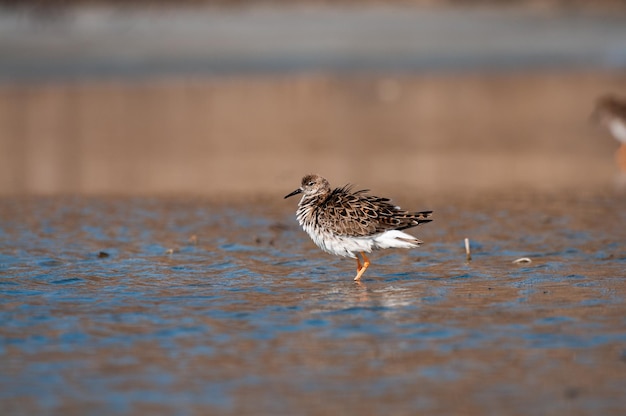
(610,112)
(344,222)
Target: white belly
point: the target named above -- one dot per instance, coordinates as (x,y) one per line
(349,246)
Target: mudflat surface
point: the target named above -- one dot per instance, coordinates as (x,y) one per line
(199,305)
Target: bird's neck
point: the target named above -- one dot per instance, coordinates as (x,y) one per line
(308,204)
(316,199)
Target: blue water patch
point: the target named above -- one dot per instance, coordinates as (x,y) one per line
(554,320)
(238,247)
(462,276)
(439,373)
(49,263)
(65,281)
(155,249)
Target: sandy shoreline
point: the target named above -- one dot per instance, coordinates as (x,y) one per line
(236,135)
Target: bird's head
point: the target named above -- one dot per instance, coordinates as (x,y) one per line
(312,185)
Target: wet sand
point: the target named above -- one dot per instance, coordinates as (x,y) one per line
(249,317)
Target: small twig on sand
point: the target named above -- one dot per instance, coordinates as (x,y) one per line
(468,254)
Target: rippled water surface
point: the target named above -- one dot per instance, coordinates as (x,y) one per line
(187,306)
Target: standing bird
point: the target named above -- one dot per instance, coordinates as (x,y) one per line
(345,222)
(610,112)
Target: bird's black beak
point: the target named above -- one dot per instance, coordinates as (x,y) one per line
(297,191)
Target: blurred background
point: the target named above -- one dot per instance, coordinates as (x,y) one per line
(244,97)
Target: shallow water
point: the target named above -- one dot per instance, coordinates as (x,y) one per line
(188,306)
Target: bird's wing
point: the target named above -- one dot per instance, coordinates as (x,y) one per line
(355,214)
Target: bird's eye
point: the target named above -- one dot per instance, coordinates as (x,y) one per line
(310,183)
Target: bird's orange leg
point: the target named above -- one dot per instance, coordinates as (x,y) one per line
(361,269)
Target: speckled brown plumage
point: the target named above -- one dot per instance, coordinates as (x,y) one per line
(356,214)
